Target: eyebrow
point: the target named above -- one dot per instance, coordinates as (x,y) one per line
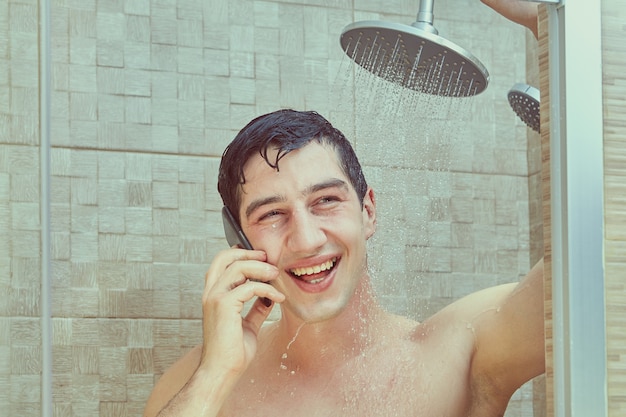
(331,183)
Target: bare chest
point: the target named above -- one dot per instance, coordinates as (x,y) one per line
(389,383)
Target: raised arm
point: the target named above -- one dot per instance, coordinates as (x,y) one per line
(518,11)
(509,338)
(199,383)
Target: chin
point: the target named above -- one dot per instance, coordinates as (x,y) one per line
(320,311)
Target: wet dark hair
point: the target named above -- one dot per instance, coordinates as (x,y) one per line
(285,130)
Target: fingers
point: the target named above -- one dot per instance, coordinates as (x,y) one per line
(250,289)
(233,267)
(236,276)
(225,309)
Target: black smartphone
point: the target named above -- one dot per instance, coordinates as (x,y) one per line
(232,230)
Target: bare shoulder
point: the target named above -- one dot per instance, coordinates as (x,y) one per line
(462,322)
(481,308)
(472,306)
(172,381)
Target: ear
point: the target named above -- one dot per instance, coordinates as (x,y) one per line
(369,213)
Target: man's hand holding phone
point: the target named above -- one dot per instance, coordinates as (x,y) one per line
(229,337)
(236,276)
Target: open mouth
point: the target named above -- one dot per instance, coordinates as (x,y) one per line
(314,274)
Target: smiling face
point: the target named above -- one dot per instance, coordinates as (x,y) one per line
(308,219)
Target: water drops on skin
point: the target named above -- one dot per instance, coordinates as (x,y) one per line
(470,324)
(284,356)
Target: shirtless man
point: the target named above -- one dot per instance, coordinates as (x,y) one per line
(296,187)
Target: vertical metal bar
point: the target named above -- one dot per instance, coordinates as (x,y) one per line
(577,210)
(558,214)
(44,163)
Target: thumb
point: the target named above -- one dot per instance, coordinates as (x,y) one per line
(258,313)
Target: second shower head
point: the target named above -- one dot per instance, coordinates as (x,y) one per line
(525,100)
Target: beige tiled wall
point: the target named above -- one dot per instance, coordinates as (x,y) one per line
(145,96)
(20,331)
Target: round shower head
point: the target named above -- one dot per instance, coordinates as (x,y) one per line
(414,57)
(524,99)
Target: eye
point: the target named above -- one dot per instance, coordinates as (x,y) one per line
(328,199)
(269,215)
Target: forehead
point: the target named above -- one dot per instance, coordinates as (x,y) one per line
(302,167)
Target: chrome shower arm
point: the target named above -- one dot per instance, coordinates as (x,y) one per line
(425,12)
(426,17)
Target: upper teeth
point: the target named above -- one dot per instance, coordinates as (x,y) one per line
(314,269)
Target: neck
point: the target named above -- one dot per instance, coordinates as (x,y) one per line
(336,340)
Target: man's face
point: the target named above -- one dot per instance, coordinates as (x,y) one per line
(308,219)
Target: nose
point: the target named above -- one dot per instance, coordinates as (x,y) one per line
(305,232)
